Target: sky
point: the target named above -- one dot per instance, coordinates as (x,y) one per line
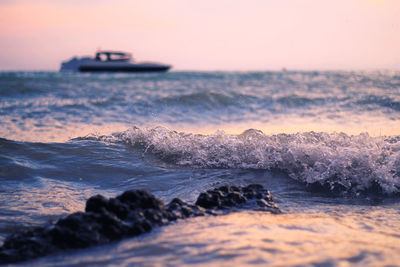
(205,35)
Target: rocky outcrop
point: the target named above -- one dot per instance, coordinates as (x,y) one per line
(130,214)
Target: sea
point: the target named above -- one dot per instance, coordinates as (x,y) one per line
(326,144)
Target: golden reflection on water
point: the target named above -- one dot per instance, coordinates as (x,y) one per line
(249,238)
(49,197)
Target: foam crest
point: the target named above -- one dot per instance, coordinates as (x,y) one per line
(336,161)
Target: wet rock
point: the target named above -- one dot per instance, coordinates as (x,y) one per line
(140,199)
(226,197)
(24,245)
(265,205)
(132,213)
(180,209)
(96,204)
(209,200)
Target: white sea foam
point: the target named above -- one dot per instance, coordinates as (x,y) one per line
(354,163)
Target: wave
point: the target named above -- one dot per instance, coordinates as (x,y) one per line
(373,101)
(244,104)
(209,99)
(289,101)
(334,162)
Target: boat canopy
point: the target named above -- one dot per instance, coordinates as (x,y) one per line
(113,56)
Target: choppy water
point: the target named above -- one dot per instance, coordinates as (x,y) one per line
(326,144)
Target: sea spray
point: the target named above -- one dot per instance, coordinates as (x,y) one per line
(350,163)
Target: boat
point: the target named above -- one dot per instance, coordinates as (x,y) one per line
(111,61)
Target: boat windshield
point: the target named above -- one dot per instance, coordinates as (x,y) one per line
(113,56)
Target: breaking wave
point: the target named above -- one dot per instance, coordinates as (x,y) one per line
(334,162)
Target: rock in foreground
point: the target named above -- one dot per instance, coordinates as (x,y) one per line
(130,214)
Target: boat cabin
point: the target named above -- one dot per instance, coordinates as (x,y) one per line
(113,56)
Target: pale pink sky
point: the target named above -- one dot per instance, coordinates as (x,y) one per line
(206,34)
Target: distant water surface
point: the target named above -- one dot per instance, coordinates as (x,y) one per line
(326,144)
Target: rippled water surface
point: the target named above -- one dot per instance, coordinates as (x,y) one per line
(326,144)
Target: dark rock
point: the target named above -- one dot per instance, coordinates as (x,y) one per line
(265,205)
(209,200)
(133,213)
(226,197)
(140,199)
(97,204)
(237,197)
(225,189)
(253,187)
(118,208)
(182,209)
(235,189)
(24,245)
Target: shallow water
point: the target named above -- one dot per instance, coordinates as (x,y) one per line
(68,136)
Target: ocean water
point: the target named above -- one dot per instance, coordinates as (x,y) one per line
(326,144)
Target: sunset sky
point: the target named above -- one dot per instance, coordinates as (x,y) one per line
(204,35)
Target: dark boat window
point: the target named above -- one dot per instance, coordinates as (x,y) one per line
(112,56)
